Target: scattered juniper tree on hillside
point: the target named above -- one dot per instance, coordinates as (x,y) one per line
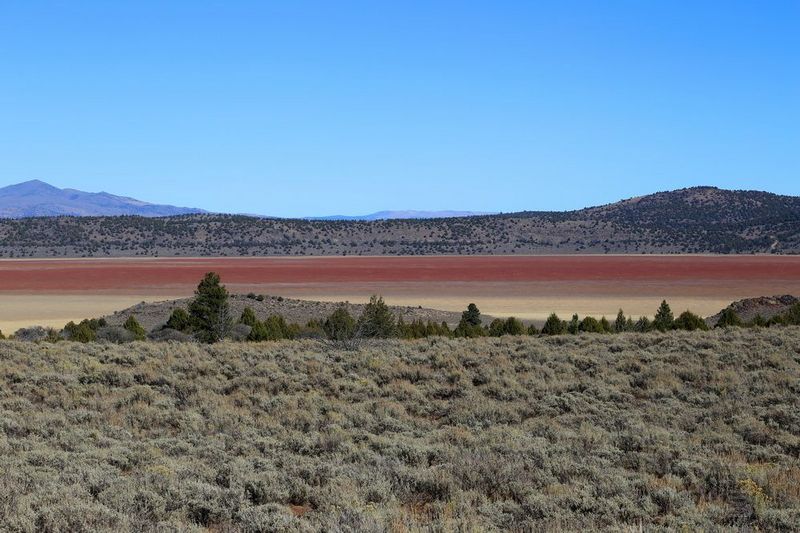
(340,326)
(470,323)
(728,318)
(574,325)
(664,319)
(472,316)
(514,326)
(248,317)
(690,322)
(179,320)
(277,328)
(509,326)
(554,326)
(134,327)
(377,320)
(642,325)
(497,328)
(590,324)
(81,332)
(621,323)
(209,311)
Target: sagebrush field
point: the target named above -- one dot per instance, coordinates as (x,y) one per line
(625,432)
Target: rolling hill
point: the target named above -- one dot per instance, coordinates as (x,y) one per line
(694,220)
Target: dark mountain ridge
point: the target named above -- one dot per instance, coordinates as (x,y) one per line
(694,220)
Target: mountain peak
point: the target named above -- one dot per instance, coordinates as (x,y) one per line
(35,198)
(30,186)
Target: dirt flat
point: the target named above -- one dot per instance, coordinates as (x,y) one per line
(56,290)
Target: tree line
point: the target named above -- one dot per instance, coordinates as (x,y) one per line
(208,319)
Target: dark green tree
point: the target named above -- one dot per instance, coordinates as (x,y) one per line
(472,316)
(209,311)
(497,328)
(728,318)
(590,324)
(81,332)
(376,321)
(134,327)
(621,323)
(554,326)
(606,325)
(514,326)
(574,325)
(277,328)
(248,317)
(532,330)
(690,322)
(340,326)
(642,325)
(179,320)
(664,319)
(470,323)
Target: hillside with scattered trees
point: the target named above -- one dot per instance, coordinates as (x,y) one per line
(696,220)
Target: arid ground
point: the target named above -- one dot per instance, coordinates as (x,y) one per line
(648,432)
(53,291)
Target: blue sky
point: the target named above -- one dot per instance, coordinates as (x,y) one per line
(310,108)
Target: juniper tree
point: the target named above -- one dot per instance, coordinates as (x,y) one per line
(179,320)
(728,318)
(497,328)
(690,322)
(554,326)
(134,327)
(664,319)
(470,323)
(621,323)
(340,326)
(377,320)
(590,324)
(248,317)
(514,326)
(574,325)
(209,311)
(472,316)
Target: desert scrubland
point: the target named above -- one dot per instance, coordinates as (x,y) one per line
(633,431)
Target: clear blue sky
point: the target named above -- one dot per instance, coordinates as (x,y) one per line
(309,108)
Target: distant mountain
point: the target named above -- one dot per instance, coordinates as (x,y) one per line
(695,220)
(38,199)
(405,215)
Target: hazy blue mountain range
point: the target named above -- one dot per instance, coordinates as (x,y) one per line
(38,199)
(392,215)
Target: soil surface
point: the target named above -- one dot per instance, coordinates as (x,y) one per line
(54,291)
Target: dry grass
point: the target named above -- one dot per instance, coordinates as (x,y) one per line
(627,432)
